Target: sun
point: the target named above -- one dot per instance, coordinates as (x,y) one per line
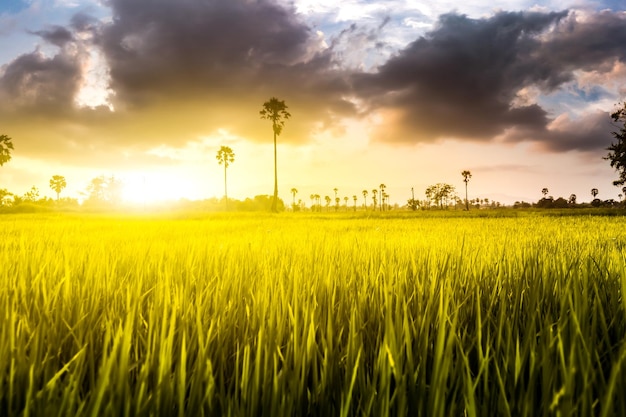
(149,188)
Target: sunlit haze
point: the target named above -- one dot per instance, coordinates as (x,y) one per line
(400,92)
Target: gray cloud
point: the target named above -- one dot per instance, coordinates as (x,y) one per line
(462,78)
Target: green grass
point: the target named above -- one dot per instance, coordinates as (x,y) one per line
(349,314)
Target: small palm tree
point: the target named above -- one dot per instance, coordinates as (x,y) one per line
(365,199)
(294,191)
(466,177)
(374,194)
(225,156)
(57,183)
(594,192)
(276,111)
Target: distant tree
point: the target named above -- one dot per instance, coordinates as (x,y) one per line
(294,191)
(328,200)
(345,200)
(225,156)
(374,194)
(364,192)
(318,198)
(617,150)
(440,194)
(572,199)
(382,188)
(6,146)
(58,183)
(4,194)
(337,200)
(545,192)
(355,199)
(466,177)
(594,192)
(276,111)
(32,195)
(312,197)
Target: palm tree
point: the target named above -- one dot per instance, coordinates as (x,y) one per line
(225,156)
(354,198)
(365,199)
(466,177)
(594,192)
(382,200)
(328,200)
(337,200)
(374,194)
(545,192)
(6,146)
(312,197)
(294,191)
(57,183)
(318,198)
(276,111)
(345,199)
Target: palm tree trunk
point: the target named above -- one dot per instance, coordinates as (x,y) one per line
(225,188)
(275,199)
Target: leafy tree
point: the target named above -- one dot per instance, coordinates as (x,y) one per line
(440,194)
(58,183)
(276,111)
(294,191)
(365,199)
(617,150)
(572,199)
(466,177)
(4,194)
(594,192)
(6,146)
(32,195)
(225,156)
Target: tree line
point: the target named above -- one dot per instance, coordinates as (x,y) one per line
(441,195)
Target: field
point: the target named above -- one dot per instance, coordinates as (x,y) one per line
(320,315)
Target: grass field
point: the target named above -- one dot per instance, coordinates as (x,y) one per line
(321,315)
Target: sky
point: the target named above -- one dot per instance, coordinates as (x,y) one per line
(407,93)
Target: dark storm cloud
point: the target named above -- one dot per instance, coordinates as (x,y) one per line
(462,79)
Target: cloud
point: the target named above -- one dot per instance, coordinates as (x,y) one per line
(471,78)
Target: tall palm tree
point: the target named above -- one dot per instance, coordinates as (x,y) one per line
(365,199)
(466,177)
(275,110)
(6,146)
(382,200)
(294,191)
(225,156)
(594,192)
(58,183)
(374,194)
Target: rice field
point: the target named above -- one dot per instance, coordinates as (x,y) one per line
(312,315)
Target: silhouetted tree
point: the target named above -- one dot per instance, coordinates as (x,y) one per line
(345,199)
(225,156)
(6,146)
(294,191)
(545,192)
(318,198)
(354,198)
(374,194)
(466,177)
(328,200)
(365,199)
(382,198)
(572,199)
(312,197)
(440,194)
(594,192)
(276,111)
(336,199)
(32,195)
(617,150)
(58,183)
